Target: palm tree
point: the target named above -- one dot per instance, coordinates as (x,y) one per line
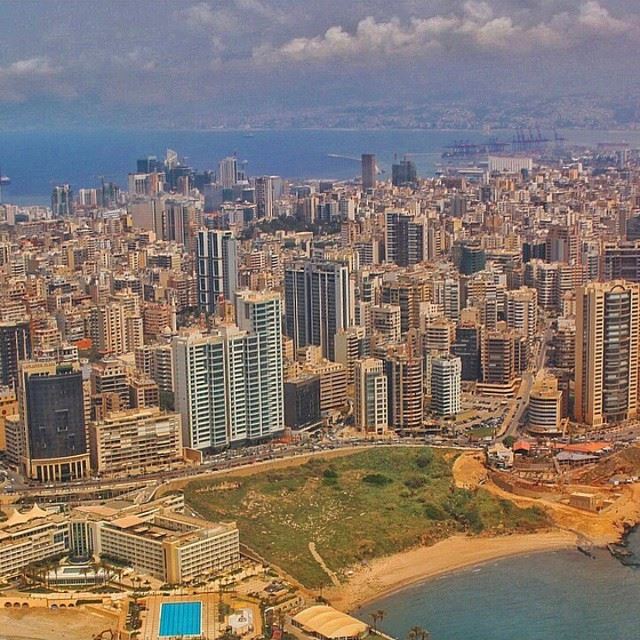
(418,633)
(107,567)
(84,570)
(119,571)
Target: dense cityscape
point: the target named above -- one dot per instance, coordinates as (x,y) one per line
(319,320)
(198,321)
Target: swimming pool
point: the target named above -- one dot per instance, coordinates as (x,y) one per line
(180,619)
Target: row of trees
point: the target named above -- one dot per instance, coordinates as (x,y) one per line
(111,569)
(415,633)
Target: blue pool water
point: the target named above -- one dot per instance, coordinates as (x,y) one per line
(180,619)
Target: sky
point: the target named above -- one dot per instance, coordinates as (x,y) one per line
(122,60)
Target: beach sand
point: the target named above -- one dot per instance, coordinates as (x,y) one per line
(392,573)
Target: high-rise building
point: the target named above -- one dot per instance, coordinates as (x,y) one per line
(633,228)
(179,220)
(446,372)
(370,397)
(15,345)
(469,256)
(296,304)
(499,367)
(368,161)
(228,172)
(117,328)
(522,312)
(51,405)
(217,268)
(405,383)
(264,197)
(561,245)
(607,352)
(467,348)
(404,238)
(351,345)
(109,377)
(439,336)
(546,280)
(200,393)
(620,261)
(385,322)
(302,401)
(229,385)
(317,303)
(408,293)
(62,201)
(404,174)
(260,315)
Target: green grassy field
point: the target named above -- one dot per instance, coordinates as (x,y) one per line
(354,508)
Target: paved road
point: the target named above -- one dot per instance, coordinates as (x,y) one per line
(148,484)
(524,392)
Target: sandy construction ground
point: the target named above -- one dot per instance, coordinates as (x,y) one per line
(46,624)
(598,528)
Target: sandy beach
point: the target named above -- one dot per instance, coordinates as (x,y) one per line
(387,575)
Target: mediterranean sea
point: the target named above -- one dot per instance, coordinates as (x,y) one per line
(561,595)
(35,160)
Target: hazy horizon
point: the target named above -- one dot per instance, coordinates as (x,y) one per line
(269,62)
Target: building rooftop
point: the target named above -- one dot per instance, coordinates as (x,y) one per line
(327,622)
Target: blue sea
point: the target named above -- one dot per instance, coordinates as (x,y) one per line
(561,595)
(37,159)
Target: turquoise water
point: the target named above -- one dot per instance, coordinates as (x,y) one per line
(36,159)
(180,619)
(549,596)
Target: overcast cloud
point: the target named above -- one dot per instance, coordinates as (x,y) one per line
(220,55)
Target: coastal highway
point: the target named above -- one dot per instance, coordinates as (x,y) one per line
(90,489)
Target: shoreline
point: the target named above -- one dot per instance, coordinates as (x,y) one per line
(389,575)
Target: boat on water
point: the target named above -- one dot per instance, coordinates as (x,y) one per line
(4,180)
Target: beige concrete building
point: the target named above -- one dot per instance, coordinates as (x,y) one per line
(29,537)
(499,373)
(545,406)
(8,407)
(370,410)
(156,539)
(607,352)
(385,320)
(135,441)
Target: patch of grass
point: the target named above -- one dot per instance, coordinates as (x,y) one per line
(482,432)
(354,508)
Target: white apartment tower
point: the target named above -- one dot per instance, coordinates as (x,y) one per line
(446,374)
(229,386)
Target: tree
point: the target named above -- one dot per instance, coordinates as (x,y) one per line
(418,633)
(375,618)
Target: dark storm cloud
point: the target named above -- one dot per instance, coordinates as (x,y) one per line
(219,54)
